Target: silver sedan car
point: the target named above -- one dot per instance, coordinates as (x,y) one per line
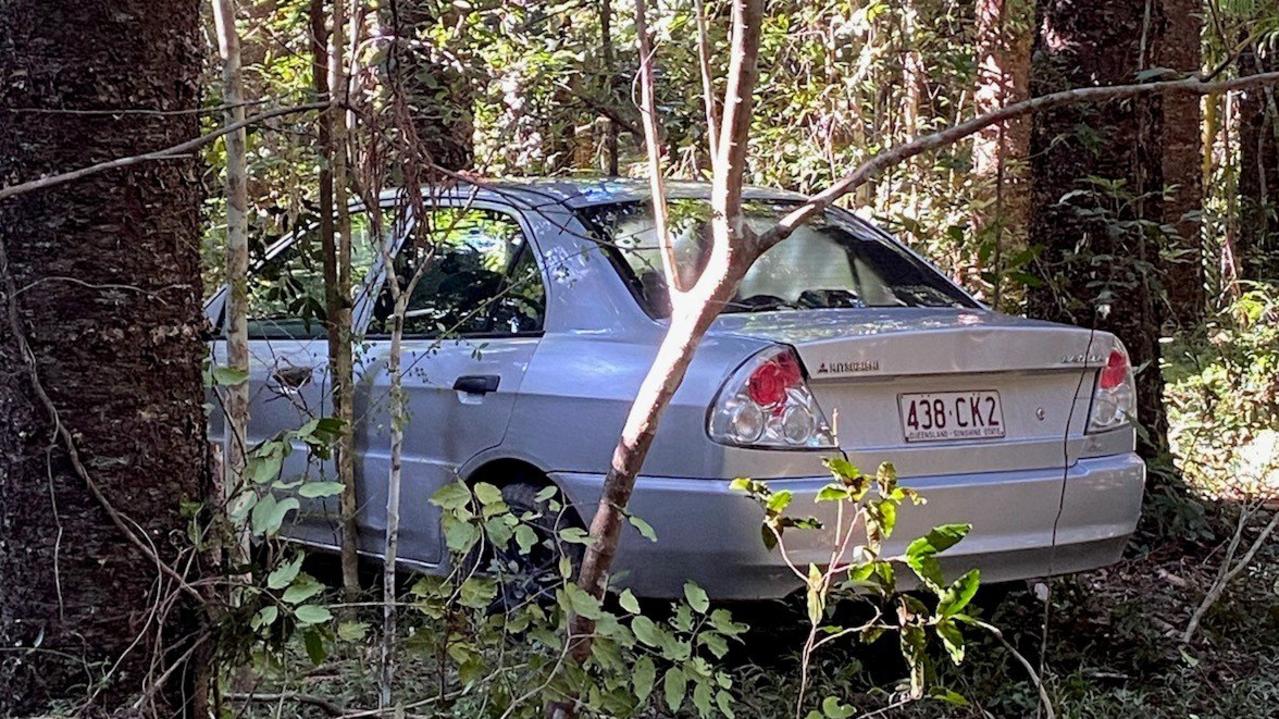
(538,315)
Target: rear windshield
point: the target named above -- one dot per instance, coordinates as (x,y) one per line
(830,262)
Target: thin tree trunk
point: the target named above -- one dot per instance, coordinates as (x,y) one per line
(1001,153)
(102,428)
(1258,242)
(235,322)
(694,309)
(338,296)
(610,82)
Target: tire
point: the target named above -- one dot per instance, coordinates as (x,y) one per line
(532,577)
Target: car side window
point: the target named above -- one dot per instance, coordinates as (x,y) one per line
(472,272)
(286,292)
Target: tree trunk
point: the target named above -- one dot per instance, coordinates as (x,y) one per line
(1181,155)
(1001,154)
(1258,245)
(102,277)
(337,257)
(235,323)
(1098,43)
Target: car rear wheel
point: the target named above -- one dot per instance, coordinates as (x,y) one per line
(533,575)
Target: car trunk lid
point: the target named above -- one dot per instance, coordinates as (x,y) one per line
(866,367)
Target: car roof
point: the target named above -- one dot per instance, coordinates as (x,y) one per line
(584,191)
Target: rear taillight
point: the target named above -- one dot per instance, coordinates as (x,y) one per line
(767,403)
(1114,399)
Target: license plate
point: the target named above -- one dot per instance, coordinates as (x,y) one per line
(938,416)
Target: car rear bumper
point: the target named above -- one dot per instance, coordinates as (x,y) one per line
(711,534)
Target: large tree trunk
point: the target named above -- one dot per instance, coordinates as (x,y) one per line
(1258,248)
(1098,43)
(107,281)
(1181,160)
(1001,153)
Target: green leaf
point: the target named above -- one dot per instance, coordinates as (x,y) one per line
(575,535)
(913,644)
(642,677)
(645,529)
(647,631)
(842,468)
(525,537)
(264,617)
(546,493)
(224,376)
(308,614)
(453,495)
(953,640)
(315,650)
(816,599)
(702,698)
(674,686)
(477,592)
(921,554)
(696,597)
(779,501)
(628,602)
(833,708)
(959,593)
(302,590)
(715,643)
(265,468)
(352,631)
(724,701)
(582,602)
(313,490)
(487,493)
(283,575)
(948,696)
(832,493)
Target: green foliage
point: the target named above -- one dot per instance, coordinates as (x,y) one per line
(869,574)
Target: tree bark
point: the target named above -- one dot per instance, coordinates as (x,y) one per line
(1180,149)
(1258,243)
(102,279)
(337,258)
(235,322)
(1079,44)
(1001,153)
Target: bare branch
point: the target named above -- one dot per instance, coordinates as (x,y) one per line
(653,141)
(743,71)
(164,154)
(708,87)
(819,202)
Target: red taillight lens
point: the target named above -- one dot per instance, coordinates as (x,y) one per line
(767,403)
(1115,371)
(768,383)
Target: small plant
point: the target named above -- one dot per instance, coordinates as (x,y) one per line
(866,510)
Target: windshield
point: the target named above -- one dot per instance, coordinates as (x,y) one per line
(830,262)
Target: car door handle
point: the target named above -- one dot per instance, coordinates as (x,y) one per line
(292,377)
(477,383)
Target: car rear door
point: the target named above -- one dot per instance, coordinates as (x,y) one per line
(474,321)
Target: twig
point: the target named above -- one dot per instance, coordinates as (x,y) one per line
(1046,701)
(163,154)
(1228,573)
(331,708)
